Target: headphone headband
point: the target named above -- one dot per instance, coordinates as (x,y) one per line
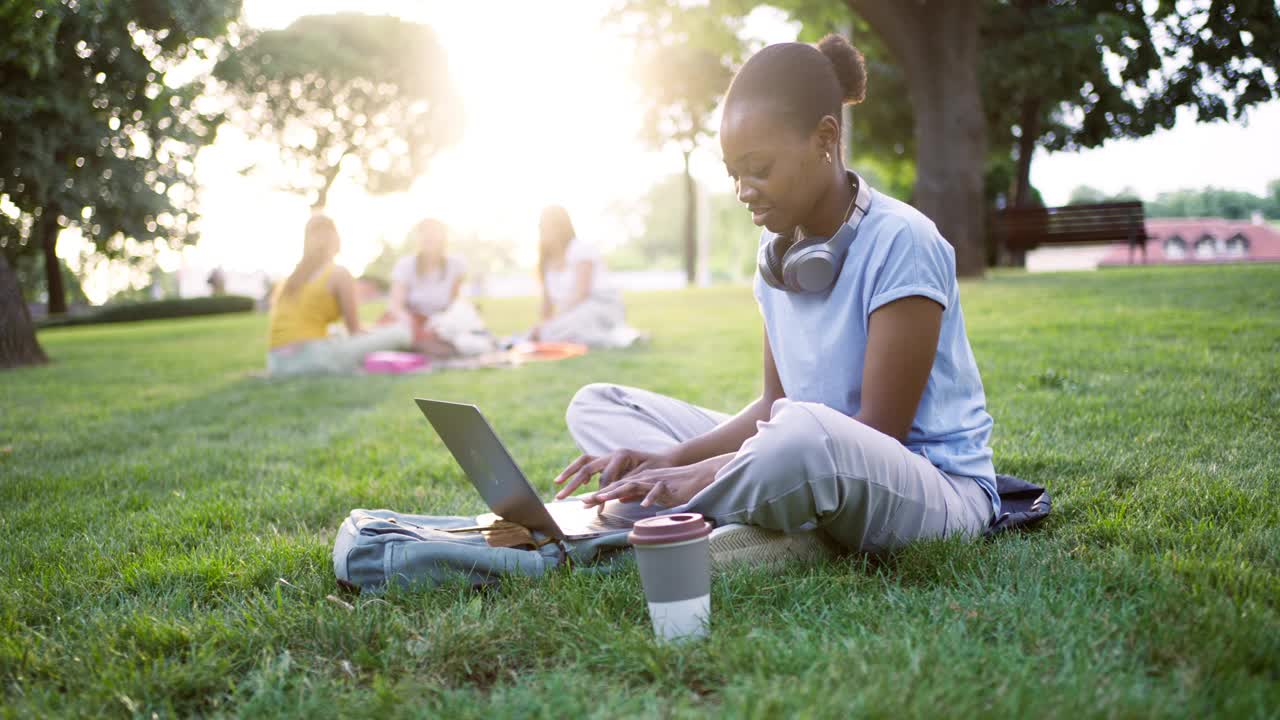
(812,265)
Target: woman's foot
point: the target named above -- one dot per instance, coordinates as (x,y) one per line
(739,545)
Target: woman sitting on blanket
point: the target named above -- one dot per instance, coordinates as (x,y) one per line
(319,292)
(872,427)
(578,305)
(425,284)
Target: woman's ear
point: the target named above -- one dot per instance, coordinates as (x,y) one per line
(826,137)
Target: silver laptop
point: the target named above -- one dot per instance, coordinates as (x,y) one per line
(494,473)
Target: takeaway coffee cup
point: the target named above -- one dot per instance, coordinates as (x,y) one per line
(675,569)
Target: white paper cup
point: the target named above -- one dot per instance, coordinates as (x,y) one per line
(673,554)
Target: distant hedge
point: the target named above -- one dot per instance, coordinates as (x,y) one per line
(155,310)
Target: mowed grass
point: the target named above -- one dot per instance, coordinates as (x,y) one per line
(154,494)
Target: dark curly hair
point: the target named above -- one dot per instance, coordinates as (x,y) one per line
(804,82)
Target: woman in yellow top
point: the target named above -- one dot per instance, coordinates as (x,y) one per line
(319,292)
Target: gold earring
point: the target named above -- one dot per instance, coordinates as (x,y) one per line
(828,156)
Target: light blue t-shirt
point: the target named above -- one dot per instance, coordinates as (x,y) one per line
(819,340)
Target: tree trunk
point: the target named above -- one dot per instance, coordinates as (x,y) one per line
(936,42)
(690,225)
(48,229)
(1029,124)
(323,197)
(329,176)
(18,344)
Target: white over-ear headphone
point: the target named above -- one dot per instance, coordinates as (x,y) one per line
(811,264)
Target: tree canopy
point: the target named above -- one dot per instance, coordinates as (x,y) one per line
(1208,202)
(99,125)
(1053,74)
(686,59)
(654,232)
(362,94)
(1071,75)
(98,130)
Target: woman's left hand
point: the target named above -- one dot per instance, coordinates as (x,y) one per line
(668,487)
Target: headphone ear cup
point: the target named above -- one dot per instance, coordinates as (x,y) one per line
(813,271)
(771,265)
(808,267)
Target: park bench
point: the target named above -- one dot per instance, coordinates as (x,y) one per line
(1018,230)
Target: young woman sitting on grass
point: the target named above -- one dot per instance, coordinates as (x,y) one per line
(578,305)
(872,427)
(317,293)
(425,284)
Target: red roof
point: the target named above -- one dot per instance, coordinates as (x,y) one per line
(1262,242)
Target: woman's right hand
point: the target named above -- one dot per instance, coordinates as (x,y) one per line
(611,467)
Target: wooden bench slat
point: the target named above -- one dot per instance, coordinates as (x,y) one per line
(1026,228)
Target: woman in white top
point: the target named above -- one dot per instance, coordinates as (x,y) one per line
(425,284)
(578,305)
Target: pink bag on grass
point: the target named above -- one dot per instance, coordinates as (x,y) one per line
(394,363)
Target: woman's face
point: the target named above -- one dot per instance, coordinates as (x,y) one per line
(330,242)
(431,242)
(552,236)
(780,173)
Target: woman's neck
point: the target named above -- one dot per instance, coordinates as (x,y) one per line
(832,209)
(556,259)
(427,263)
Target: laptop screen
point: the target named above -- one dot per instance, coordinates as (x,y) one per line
(488,465)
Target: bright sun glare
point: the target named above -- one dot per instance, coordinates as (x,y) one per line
(552,116)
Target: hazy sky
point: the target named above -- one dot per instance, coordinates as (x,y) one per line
(551,111)
(1244,156)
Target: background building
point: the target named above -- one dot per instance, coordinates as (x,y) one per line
(1188,241)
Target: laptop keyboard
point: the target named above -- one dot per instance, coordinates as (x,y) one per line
(609,521)
(575,519)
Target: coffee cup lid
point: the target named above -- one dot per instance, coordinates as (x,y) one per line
(666,529)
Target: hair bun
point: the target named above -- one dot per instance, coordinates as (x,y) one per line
(851,68)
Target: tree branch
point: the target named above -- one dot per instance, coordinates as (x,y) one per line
(896,25)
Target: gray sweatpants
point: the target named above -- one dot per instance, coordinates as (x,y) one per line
(807,467)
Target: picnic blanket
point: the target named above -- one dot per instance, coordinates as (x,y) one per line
(395,362)
(378,548)
(519,354)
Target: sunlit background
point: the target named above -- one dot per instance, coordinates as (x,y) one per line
(553,116)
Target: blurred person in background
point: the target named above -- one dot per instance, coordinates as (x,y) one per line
(425,285)
(217,282)
(319,292)
(578,304)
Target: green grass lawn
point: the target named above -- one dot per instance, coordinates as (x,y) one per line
(154,492)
